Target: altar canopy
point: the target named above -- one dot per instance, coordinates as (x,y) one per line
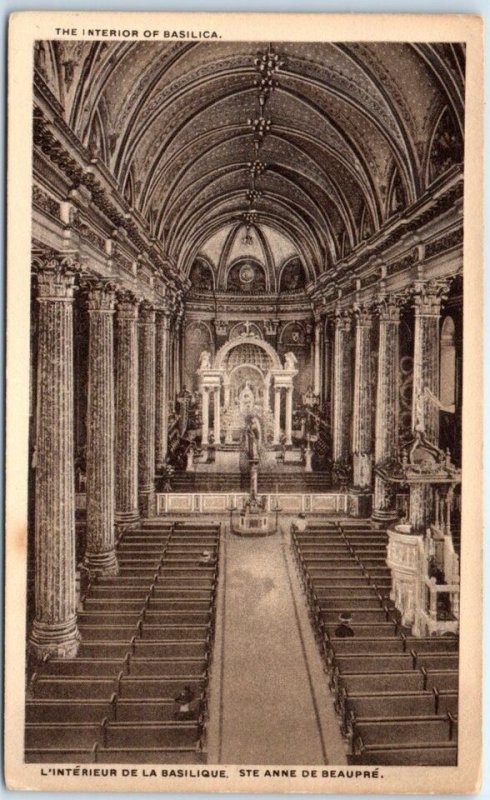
(246,379)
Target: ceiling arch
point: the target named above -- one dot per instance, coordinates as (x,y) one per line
(345,118)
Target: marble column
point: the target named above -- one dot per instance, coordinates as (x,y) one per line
(217,415)
(341,390)
(427,308)
(54,631)
(161,383)
(325,367)
(100,555)
(205,416)
(127,509)
(362,433)
(226,390)
(317,357)
(177,376)
(277,415)
(289,415)
(387,404)
(267,391)
(425,412)
(146,446)
(171,362)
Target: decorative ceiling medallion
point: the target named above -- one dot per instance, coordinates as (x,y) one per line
(247,273)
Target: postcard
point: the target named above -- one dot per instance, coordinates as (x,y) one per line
(244,393)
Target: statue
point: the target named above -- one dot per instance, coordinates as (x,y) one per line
(205,360)
(252,438)
(247,398)
(309,397)
(290,361)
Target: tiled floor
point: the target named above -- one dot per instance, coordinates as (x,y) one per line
(275,707)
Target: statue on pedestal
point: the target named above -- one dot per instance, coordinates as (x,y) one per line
(290,361)
(252,439)
(205,360)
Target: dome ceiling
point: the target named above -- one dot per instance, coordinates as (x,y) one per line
(349,121)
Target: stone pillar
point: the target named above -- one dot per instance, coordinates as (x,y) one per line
(217,415)
(226,388)
(362,434)
(171,370)
(177,354)
(267,391)
(316,357)
(387,404)
(127,509)
(100,555)
(146,446)
(54,631)
(289,415)
(341,394)
(325,367)
(427,307)
(420,507)
(161,379)
(277,415)
(425,412)
(205,416)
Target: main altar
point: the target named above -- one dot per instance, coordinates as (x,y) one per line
(245,381)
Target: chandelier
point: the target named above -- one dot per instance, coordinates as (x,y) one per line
(267,65)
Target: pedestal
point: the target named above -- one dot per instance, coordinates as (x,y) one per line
(308,455)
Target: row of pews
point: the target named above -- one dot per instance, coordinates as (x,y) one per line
(396,696)
(147,638)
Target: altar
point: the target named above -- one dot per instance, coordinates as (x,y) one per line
(245,381)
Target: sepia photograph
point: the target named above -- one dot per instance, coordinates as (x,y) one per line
(244,508)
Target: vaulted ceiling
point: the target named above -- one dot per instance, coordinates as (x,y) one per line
(349,123)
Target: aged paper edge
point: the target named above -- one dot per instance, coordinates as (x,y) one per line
(24,29)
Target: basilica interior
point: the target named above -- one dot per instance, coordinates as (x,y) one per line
(245,403)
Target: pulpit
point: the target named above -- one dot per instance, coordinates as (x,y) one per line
(421,556)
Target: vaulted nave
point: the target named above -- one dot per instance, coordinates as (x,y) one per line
(245,403)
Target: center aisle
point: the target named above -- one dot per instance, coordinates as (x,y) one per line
(275,707)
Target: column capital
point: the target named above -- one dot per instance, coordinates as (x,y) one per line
(101,293)
(56,275)
(342,319)
(163,319)
(147,313)
(127,304)
(362,314)
(387,307)
(428,296)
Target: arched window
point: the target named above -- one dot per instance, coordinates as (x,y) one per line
(446,147)
(396,200)
(129,189)
(448,364)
